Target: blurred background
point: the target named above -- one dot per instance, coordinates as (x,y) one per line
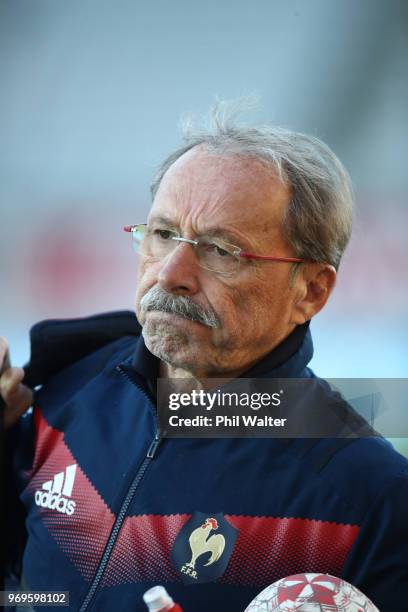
(91,95)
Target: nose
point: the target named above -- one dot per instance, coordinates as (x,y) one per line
(179,272)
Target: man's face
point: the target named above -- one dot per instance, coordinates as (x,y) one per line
(241,198)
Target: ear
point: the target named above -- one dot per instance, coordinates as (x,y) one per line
(313,284)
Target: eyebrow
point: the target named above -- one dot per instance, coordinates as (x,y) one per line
(164,220)
(210,233)
(227,236)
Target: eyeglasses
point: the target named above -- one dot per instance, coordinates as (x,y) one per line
(215,255)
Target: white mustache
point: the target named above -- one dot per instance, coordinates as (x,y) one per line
(159,299)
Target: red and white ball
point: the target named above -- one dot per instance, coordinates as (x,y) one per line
(311,593)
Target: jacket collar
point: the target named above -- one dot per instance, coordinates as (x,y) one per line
(288,359)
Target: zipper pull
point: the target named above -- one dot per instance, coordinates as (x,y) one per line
(154,446)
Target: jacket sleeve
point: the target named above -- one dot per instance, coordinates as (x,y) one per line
(55,344)
(378,561)
(17,456)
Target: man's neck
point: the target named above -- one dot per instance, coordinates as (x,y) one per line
(169,371)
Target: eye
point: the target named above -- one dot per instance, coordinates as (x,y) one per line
(217,251)
(163,234)
(221,252)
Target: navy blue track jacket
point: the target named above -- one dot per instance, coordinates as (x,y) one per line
(111,507)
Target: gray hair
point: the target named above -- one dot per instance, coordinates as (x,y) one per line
(319,217)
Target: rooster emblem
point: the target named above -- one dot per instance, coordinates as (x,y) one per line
(201,542)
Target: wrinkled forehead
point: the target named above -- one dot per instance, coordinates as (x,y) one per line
(208,187)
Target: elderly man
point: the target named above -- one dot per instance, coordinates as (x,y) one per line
(239,252)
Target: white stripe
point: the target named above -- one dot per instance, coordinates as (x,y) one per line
(47,485)
(69,480)
(58,482)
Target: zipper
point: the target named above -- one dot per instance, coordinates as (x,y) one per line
(154,446)
(126,503)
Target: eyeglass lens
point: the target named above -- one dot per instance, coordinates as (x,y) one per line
(158,244)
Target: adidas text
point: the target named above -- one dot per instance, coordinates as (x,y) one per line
(54,493)
(54,501)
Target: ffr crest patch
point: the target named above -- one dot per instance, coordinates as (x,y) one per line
(203,547)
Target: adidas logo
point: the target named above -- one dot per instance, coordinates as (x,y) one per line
(55,492)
